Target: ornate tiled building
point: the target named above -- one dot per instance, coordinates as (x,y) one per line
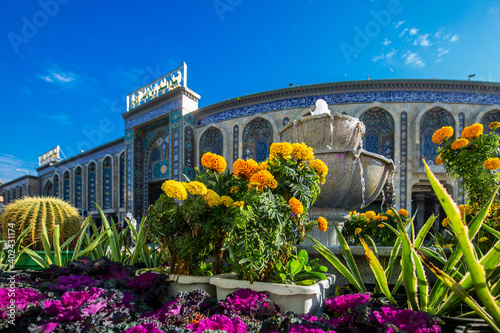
(166,134)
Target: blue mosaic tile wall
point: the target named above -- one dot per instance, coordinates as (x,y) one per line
(257,139)
(66,186)
(360,97)
(91,186)
(122,180)
(78,187)
(379,136)
(403,160)
(176,154)
(236,138)
(432,121)
(488,118)
(138,176)
(188,168)
(153,114)
(129,137)
(211,141)
(107,183)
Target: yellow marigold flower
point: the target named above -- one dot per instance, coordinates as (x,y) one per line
(196,188)
(492,163)
(353,213)
(226,201)
(238,204)
(389,212)
(494,125)
(296,205)
(381,225)
(483,239)
(439,160)
(322,223)
(174,190)
(464,209)
(358,230)
(403,212)
(263,178)
(444,133)
(459,143)
(280,149)
(245,169)
(264,166)
(472,132)
(370,214)
(321,169)
(362,214)
(445,222)
(214,162)
(384,218)
(212,198)
(301,151)
(234,189)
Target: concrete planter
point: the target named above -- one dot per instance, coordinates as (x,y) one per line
(299,299)
(189,283)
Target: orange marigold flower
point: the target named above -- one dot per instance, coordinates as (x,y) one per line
(280,149)
(214,162)
(381,225)
(234,189)
(472,132)
(322,224)
(403,212)
(296,205)
(263,178)
(459,143)
(464,209)
(445,222)
(492,163)
(444,133)
(389,212)
(370,214)
(384,218)
(301,151)
(245,169)
(494,125)
(238,204)
(439,160)
(264,166)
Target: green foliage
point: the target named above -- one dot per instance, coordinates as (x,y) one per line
(299,271)
(40,212)
(370,224)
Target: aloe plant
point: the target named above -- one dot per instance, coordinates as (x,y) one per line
(477,267)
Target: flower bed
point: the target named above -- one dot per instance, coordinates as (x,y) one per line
(102,296)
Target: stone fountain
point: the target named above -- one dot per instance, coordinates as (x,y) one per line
(356,177)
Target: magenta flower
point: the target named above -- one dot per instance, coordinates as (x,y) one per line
(406,320)
(142,282)
(145,328)
(219,322)
(247,301)
(75,282)
(342,304)
(303,329)
(22,298)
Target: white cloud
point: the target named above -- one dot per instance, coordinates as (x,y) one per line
(441,52)
(61,77)
(423,40)
(438,33)
(386,42)
(413,31)
(412,58)
(390,54)
(9,164)
(493,10)
(62,118)
(403,32)
(387,56)
(397,25)
(454,38)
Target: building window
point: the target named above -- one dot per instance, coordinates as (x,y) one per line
(211,142)
(14,194)
(107,183)
(91,186)
(488,118)
(432,121)
(379,135)
(66,186)
(78,187)
(20,192)
(122,180)
(8,196)
(56,186)
(257,139)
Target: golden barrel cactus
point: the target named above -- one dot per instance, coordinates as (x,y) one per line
(40,210)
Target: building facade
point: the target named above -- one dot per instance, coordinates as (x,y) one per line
(166,134)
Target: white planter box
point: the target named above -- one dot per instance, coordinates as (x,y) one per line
(299,299)
(189,283)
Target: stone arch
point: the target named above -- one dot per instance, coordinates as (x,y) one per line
(423,111)
(14,192)
(258,135)
(379,136)
(107,182)
(430,122)
(211,140)
(488,116)
(20,191)
(425,203)
(48,189)
(154,153)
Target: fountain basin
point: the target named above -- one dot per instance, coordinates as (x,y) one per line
(354,179)
(325,131)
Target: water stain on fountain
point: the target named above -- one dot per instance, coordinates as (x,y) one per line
(356,177)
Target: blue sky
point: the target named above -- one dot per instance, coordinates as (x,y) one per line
(67,65)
